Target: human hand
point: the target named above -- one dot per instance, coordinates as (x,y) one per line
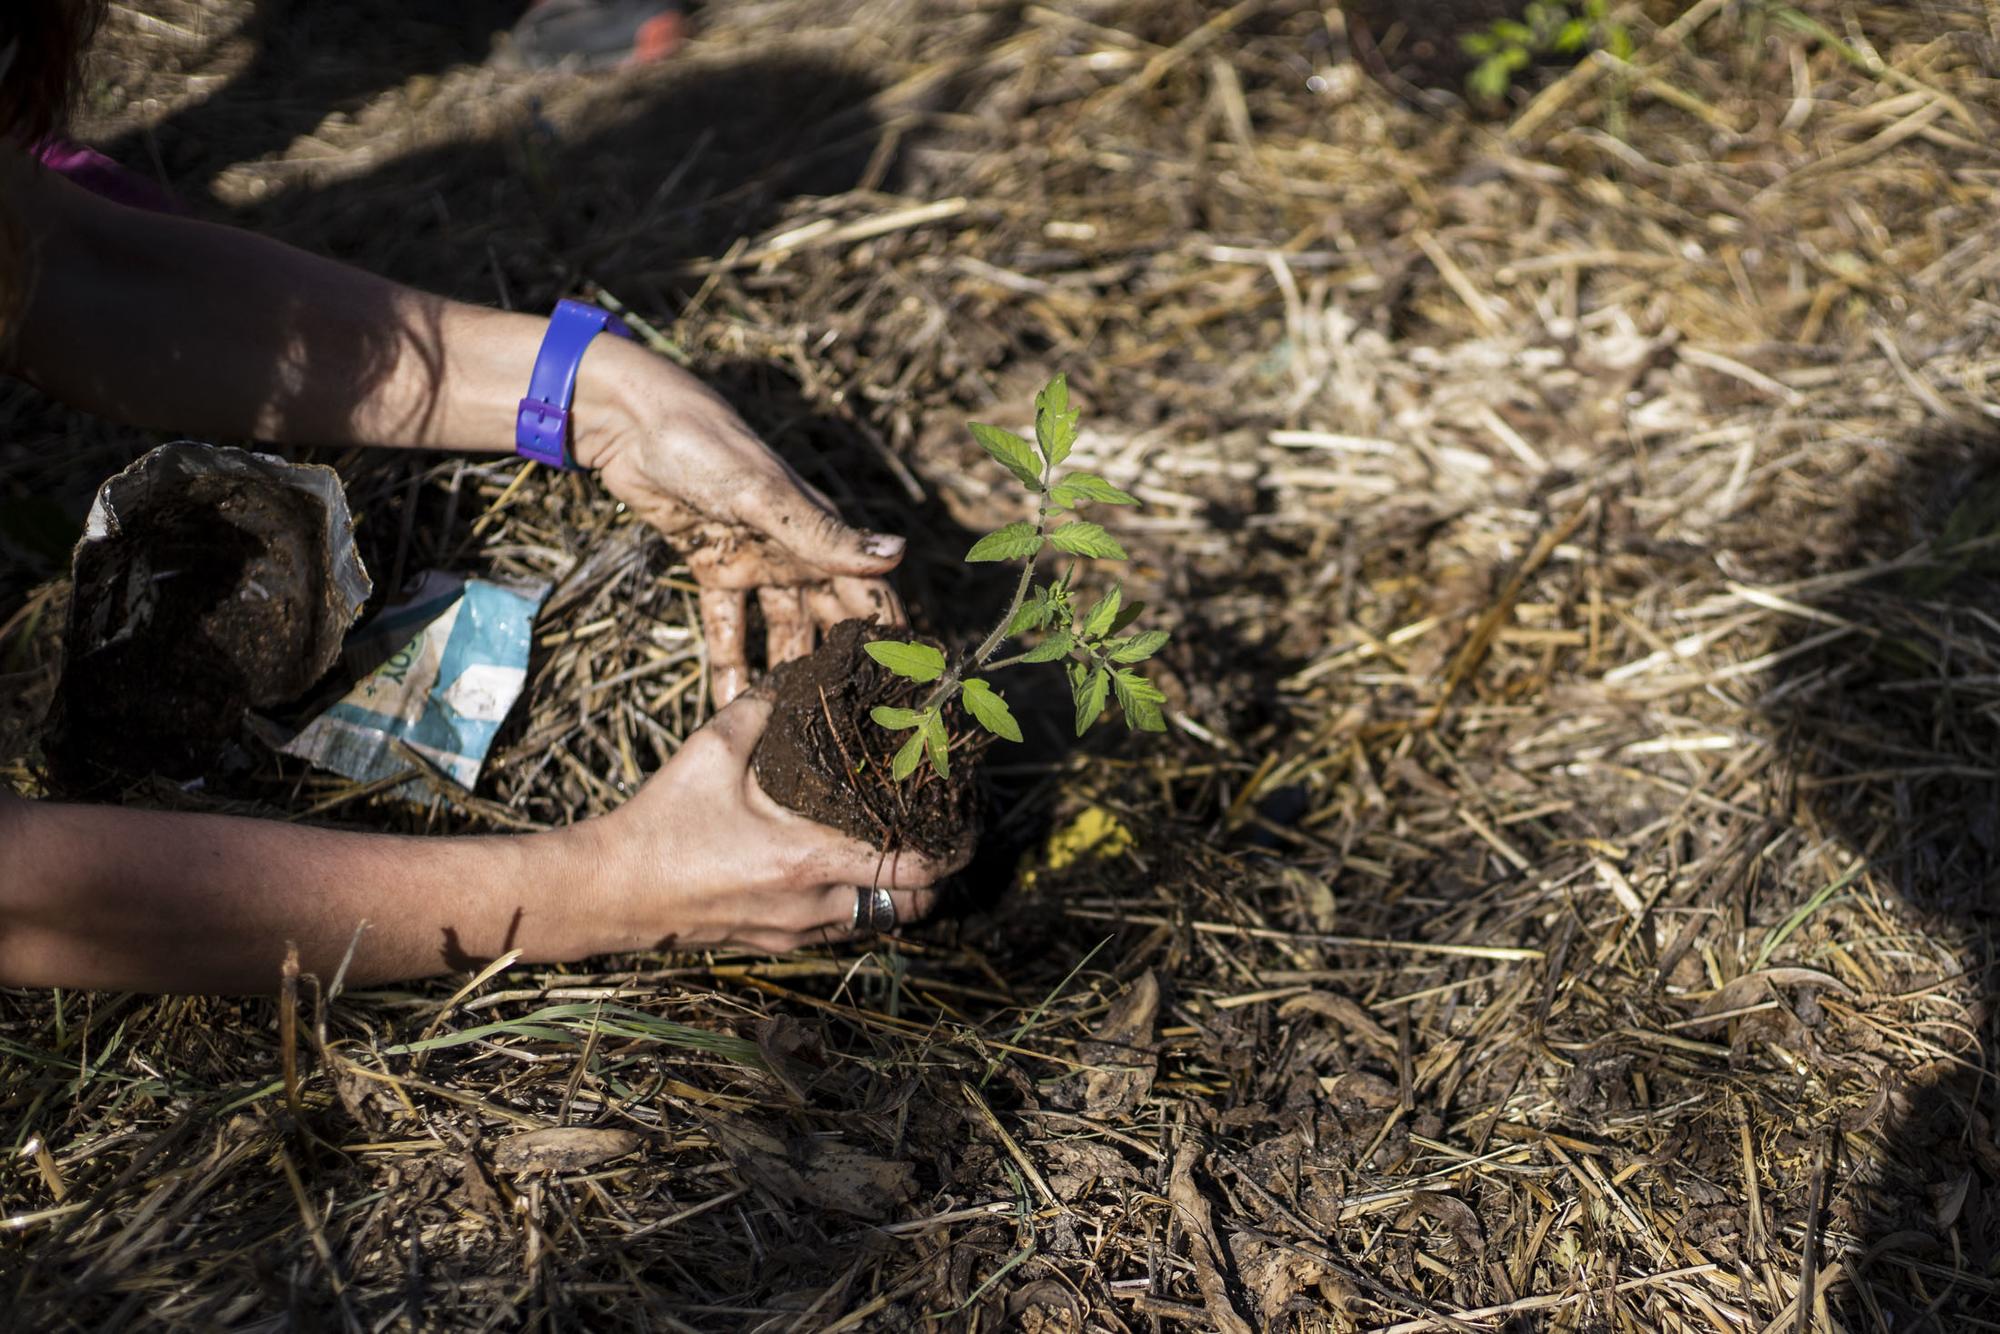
(685,462)
(701,856)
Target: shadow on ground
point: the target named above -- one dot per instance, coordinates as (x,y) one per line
(618,187)
(1890,709)
(621,183)
(309,62)
(622,189)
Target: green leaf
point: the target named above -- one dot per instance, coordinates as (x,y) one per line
(1141,700)
(1081,486)
(1139,647)
(1479,43)
(1090,699)
(1133,687)
(1034,614)
(1620,42)
(1017,454)
(1015,541)
(991,710)
(1055,646)
(1055,420)
(906,758)
(1062,605)
(919,662)
(1488,80)
(1571,37)
(937,744)
(1513,31)
(894,719)
(1086,539)
(1103,614)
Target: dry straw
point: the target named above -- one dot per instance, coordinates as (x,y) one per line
(1562,901)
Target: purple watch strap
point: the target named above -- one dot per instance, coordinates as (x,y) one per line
(541,427)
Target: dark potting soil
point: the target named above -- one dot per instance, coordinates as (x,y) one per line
(1422,44)
(206,603)
(824,757)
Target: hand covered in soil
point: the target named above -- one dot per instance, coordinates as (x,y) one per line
(701,856)
(682,458)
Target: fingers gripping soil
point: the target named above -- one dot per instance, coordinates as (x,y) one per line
(826,607)
(863,598)
(724,614)
(912,905)
(860,864)
(788,630)
(738,726)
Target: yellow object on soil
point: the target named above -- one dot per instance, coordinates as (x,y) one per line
(1095,833)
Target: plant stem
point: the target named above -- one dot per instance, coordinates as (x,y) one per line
(943,691)
(993,641)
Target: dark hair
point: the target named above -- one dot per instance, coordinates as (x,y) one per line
(41,48)
(42,42)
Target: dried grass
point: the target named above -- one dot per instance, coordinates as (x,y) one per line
(1562,901)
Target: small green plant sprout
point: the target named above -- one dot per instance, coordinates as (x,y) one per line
(1093,645)
(1545,28)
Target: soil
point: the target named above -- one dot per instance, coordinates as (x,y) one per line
(220,586)
(824,757)
(1421,44)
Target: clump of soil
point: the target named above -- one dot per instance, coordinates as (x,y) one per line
(205,603)
(1422,44)
(824,757)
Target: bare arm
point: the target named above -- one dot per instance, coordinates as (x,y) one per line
(182,325)
(90,901)
(168,322)
(94,896)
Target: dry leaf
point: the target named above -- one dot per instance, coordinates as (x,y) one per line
(1076,1165)
(1453,1212)
(1191,1208)
(562,1149)
(1342,1011)
(1948,1199)
(785,1044)
(1123,1053)
(1045,1307)
(817,1171)
(1738,993)
(1359,1090)
(1276,1276)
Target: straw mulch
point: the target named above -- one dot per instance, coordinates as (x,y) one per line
(1561,900)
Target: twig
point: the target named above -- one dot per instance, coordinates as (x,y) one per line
(853,782)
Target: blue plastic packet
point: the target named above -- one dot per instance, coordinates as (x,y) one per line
(458,663)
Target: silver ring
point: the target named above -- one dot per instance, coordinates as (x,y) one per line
(874,910)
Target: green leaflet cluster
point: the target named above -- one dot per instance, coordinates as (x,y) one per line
(1546,27)
(1096,646)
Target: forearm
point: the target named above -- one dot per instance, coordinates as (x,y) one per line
(180,325)
(95,896)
